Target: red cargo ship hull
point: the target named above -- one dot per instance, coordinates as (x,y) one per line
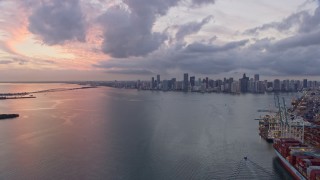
(293,171)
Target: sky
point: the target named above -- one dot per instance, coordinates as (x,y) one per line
(54,40)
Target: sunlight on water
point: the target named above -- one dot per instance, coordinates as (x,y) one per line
(127,134)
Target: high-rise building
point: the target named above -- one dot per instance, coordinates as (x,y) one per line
(261,88)
(276,85)
(314,84)
(185,82)
(207,82)
(244,83)
(158,81)
(292,86)
(256,77)
(219,82)
(192,81)
(211,82)
(286,84)
(173,84)
(138,85)
(152,83)
(179,85)
(296,85)
(299,85)
(199,82)
(305,83)
(309,84)
(165,85)
(234,87)
(228,85)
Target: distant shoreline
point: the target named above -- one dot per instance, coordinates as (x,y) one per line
(20,95)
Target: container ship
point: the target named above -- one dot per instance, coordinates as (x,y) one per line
(269,128)
(272,126)
(302,161)
(298,146)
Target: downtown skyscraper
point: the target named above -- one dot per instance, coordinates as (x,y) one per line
(185,82)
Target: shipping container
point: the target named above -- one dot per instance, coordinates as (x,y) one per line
(312,168)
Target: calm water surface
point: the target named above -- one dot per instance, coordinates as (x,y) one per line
(106,133)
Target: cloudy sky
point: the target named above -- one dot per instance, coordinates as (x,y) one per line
(137,39)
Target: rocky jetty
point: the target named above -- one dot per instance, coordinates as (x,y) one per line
(8,116)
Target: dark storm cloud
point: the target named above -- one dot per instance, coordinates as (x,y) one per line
(130,71)
(183,58)
(311,22)
(128,27)
(191,28)
(287,23)
(301,40)
(128,31)
(201,2)
(127,34)
(295,55)
(200,47)
(305,22)
(261,56)
(296,61)
(205,63)
(58,21)
(308,32)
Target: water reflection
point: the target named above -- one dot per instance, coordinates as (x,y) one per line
(108,133)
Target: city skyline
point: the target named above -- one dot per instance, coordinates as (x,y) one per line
(57,40)
(191,83)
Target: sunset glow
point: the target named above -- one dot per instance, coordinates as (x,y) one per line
(109,39)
